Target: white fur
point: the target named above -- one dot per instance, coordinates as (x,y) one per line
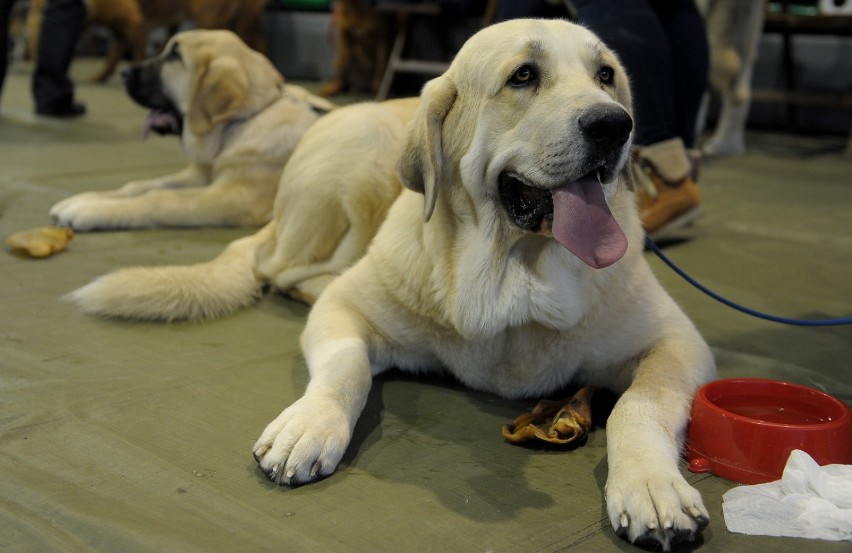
(505,310)
(734,29)
(334,194)
(191,292)
(234,165)
(450,284)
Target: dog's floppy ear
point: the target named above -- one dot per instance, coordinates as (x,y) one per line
(420,165)
(217,94)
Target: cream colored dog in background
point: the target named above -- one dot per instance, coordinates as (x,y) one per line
(734,29)
(514,263)
(334,194)
(238,123)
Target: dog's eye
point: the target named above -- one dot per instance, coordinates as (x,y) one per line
(606,75)
(525,75)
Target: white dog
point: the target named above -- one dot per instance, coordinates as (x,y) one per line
(514,262)
(238,122)
(734,29)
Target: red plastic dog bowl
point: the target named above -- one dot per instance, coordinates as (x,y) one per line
(744,429)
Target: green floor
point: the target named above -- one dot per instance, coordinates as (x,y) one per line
(137,437)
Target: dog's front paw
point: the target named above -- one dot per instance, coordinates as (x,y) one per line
(654,507)
(305,442)
(86,211)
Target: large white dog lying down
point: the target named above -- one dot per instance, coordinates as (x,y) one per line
(514,262)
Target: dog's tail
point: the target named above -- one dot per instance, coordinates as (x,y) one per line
(171,293)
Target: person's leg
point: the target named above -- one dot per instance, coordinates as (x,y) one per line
(5,10)
(53,91)
(690,57)
(633,30)
(515,9)
(668,197)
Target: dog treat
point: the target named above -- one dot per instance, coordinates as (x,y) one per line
(40,242)
(554,422)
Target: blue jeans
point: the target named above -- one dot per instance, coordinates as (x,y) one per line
(663,46)
(61,25)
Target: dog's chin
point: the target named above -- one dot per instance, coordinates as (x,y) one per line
(163,122)
(530,207)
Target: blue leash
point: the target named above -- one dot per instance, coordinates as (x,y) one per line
(651,245)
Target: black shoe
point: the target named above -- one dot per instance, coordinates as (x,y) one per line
(74,109)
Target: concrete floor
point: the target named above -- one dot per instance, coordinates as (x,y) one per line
(124,437)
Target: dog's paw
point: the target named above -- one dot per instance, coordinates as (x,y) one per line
(654,508)
(86,211)
(305,442)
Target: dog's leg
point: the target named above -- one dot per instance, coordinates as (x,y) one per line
(228,202)
(648,500)
(729,137)
(247,26)
(735,31)
(89,210)
(381,61)
(304,276)
(190,177)
(342,60)
(114,55)
(308,439)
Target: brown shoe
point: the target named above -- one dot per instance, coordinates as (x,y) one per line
(667,195)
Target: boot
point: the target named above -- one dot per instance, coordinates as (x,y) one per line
(667,193)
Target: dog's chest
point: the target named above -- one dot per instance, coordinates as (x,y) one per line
(517,362)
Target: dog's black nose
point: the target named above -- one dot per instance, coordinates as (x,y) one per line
(126,74)
(607,125)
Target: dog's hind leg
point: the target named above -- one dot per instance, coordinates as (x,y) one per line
(316,243)
(305,279)
(114,54)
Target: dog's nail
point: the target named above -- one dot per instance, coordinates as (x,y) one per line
(701,520)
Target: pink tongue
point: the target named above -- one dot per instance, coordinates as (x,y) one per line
(583,223)
(156,118)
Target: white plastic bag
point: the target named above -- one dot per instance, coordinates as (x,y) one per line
(809,501)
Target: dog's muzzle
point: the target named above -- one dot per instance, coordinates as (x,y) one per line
(143,84)
(574,210)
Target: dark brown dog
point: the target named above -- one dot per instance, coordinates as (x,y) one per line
(361,51)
